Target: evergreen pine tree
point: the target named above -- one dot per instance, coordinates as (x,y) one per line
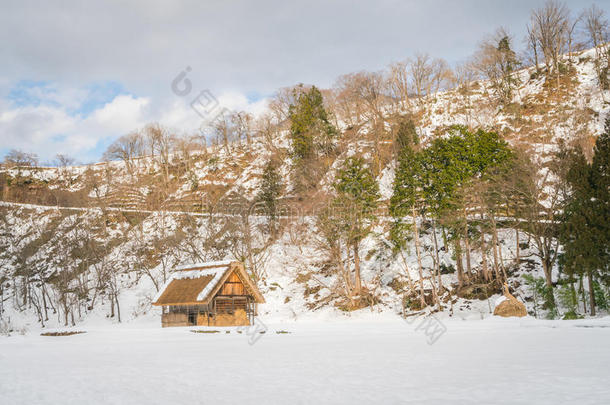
(406,136)
(600,177)
(357,198)
(310,127)
(311,134)
(271,187)
(585,229)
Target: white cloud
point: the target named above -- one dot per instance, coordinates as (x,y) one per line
(233,47)
(49,129)
(121,115)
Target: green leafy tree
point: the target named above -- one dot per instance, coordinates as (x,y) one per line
(406,136)
(585,229)
(542,295)
(355,204)
(270,190)
(311,134)
(406,202)
(432,182)
(507,62)
(310,128)
(462,162)
(600,178)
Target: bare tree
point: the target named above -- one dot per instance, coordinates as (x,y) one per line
(63,162)
(422,73)
(540,193)
(398,80)
(571,30)
(18,158)
(595,25)
(428,76)
(349,106)
(281,101)
(442,75)
(127,148)
(265,128)
(496,61)
(185,146)
(161,143)
(242,123)
(465,74)
(549,26)
(223,132)
(532,44)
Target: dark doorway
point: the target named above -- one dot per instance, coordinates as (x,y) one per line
(192,318)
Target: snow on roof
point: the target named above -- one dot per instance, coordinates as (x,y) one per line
(216,273)
(197,283)
(217,263)
(204,282)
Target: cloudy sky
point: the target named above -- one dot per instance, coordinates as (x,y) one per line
(74,76)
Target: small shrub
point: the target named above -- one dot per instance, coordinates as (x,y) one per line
(542,295)
(447,269)
(63,333)
(571,315)
(601,300)
(568,298)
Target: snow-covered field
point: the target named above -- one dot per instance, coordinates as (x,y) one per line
(387,360)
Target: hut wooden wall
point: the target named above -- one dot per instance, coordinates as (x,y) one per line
(233,286)
(174,319)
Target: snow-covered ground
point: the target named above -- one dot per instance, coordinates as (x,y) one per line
(366,360)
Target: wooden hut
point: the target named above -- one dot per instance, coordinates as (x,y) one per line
(214,294)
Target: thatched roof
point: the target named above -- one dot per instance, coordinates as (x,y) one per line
(198,283)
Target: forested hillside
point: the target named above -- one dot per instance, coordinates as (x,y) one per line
(422,187)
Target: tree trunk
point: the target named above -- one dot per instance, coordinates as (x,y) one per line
(438,263)
(468,260)
(496,253)
(484,267)
(65,313)
(44,304)
(344,273)
(467,243)
(434,293)
(459,264)
(517,253)
(118,307)
(419,266)
(581,290)
(591,293)
(358,281)
(546,266)
(409,279)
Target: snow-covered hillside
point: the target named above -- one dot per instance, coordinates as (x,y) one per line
(132,239)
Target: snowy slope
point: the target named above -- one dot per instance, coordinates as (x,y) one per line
(540,116)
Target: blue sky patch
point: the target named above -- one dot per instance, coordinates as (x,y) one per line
(25,93)
(100,93)
(92,97)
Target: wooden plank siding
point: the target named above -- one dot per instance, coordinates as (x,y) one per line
(233,286)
